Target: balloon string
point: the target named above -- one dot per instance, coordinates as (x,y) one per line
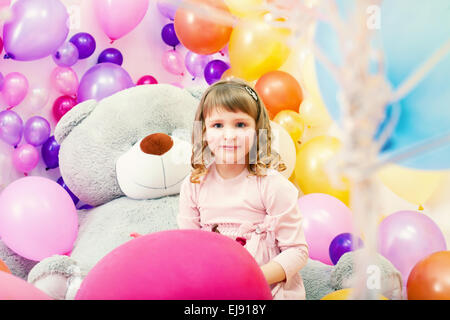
(419,74)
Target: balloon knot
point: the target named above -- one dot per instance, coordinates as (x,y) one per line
(57,55)
(25,174)
(222,53)
(193,78)
(111,42)
(8,56)
(46,169)
(15,147)
(420,208)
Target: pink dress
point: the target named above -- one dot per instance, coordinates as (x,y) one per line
(262,211)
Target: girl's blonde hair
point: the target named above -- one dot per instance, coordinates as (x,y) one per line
(234,95)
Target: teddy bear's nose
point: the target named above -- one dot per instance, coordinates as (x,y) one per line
(156,143)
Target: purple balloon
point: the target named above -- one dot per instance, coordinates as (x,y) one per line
(36,30)
(214,70)
(341,244)
(11,127)
(85,207)
(67,55)
(63,184)
(406,237)
(50,153)
(85,44)
(110,55)
(36,131)
(169,36)
(167,9)
(102,80)
(196,63)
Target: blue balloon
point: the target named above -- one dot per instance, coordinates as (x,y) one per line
(410,33)
(341,244)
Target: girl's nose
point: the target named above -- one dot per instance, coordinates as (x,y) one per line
(229,134)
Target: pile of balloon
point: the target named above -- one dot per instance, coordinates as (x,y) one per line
(357,115)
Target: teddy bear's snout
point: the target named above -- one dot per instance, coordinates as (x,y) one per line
(156,144)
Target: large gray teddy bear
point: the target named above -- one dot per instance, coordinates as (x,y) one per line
(105,154)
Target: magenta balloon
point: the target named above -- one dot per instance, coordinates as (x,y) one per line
(324,217)
(37,218)
(196,63)
(15,88)
(406,237)
(25,158)
(103,80)
(36,30)
(14,288)
(37,130)
(67,55)
(172,61)
(11,127)
(177,265)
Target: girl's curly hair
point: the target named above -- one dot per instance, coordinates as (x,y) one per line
(234,95)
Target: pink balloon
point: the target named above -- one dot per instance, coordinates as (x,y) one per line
(173,62)
(14,288)
(38,218)
(15,88)
(177,265)
(406,237)
(118,17)
(25,158)
(65,80)
(324,217)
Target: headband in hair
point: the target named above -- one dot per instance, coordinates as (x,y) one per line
(252,93)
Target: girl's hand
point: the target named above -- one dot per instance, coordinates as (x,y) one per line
(273,272)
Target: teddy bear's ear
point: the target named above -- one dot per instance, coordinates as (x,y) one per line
(196,91)
(73,118)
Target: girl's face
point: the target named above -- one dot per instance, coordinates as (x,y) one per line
(230,135)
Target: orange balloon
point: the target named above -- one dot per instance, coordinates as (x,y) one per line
(197,32)
(227,75)
(4,267)
(279,91)
(430,278)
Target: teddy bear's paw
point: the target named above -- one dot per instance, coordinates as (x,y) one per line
(58,276)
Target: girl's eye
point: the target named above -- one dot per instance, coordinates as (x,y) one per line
(217,124)
(243,124)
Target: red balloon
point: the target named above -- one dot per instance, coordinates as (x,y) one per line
(430,278)
(279,91)
(147,80)
(199,33)
(62,105)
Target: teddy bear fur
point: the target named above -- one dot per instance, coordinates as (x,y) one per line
(92,136)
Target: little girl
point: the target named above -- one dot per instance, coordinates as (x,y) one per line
(236,189)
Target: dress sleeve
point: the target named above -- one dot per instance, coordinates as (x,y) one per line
(281,202)
(188,214)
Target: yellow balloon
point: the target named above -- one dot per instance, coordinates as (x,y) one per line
(415,186)
(310,172)
(344,294)
(312,109)
(257,47)
(242,8)
(292,123)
